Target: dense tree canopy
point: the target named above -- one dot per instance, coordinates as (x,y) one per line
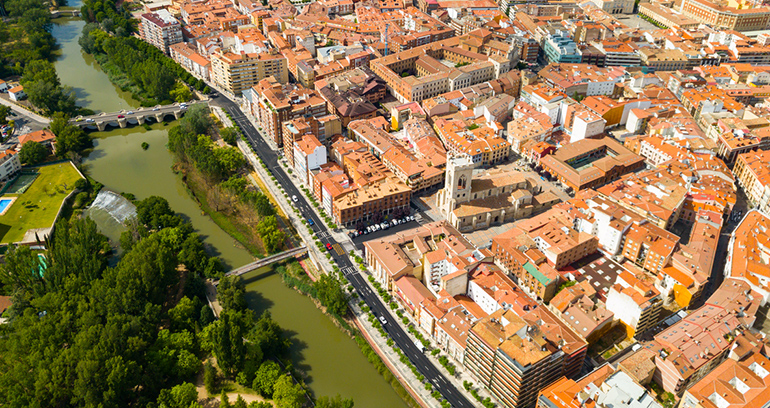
(32,153)
(69,138)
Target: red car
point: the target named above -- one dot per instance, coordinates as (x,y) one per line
(328,247)
(121,116)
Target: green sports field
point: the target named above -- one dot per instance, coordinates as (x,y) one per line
(37,207)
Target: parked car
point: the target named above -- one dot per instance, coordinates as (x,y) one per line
(385,225)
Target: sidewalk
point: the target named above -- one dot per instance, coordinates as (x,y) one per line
(23,111)
(380,345)
(460,374)
(318,258)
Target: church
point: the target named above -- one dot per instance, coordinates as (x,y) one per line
(479,198)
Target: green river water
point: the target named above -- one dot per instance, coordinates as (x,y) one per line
(332,361)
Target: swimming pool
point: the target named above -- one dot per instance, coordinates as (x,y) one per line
(4,203)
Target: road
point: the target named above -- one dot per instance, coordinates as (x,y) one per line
(399,336)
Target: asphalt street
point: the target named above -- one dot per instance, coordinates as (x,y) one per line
(346,265)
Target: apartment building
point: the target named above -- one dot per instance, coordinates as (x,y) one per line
(236,73)
(309,154)
(604,386)
(321,127)
(736,383)
(515,357)
(273,103)
(634,302)
(725,16)
(748,254)
(482,143)
(10,165)
(161,29)
(649,246)
(752,172)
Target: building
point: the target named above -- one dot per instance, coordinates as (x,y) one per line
(590,163)
(733,384)
(515,357)
(45,137)
(322,128)
(581,309)
(161,29)
(749,254)
(483,143)
(666,17)
(439,67)
(238,72)
(309,154)
(17,93)
(636,303)
(9,165)
(752,172)
(273,104)
(559,48)
(721,16)
(473,202)
(604,387)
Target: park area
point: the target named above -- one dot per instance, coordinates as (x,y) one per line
(37,200)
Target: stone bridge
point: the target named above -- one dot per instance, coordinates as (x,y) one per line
(65,13)
(137,116)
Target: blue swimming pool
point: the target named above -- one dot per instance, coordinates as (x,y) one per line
(4,203)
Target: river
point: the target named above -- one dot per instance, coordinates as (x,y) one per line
(332,361)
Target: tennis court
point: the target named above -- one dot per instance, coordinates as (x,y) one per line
(22,183)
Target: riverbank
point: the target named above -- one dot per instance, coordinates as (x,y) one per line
(304,285)
(227,218)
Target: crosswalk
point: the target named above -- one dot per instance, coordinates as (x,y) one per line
(323,234)
(348,271)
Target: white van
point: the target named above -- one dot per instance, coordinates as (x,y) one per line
(419,345)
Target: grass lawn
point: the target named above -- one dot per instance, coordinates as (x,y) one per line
(38,206)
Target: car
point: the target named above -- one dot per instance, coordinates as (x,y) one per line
(294,198)
(79,120)
(384,225)
(351,235)
(130,113)
(310,221)
(366,232)
(328,247)
(121,116)
(394,223)
(89,120)
(383,320)
(183,107)
(157,108)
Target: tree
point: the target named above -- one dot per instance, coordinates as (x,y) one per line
(331,295)
(181,93)
(269,336)
(224,401)
(240,402)
(181,396)
(266,377)
(271,236)
(231,293)
(4,112)
(184,315)
(334,402)
(286,394)
(196,121)
(69,138)
(225,338)
(210,378)
(155,213)
(32,153)
(229,135)
(230,158)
